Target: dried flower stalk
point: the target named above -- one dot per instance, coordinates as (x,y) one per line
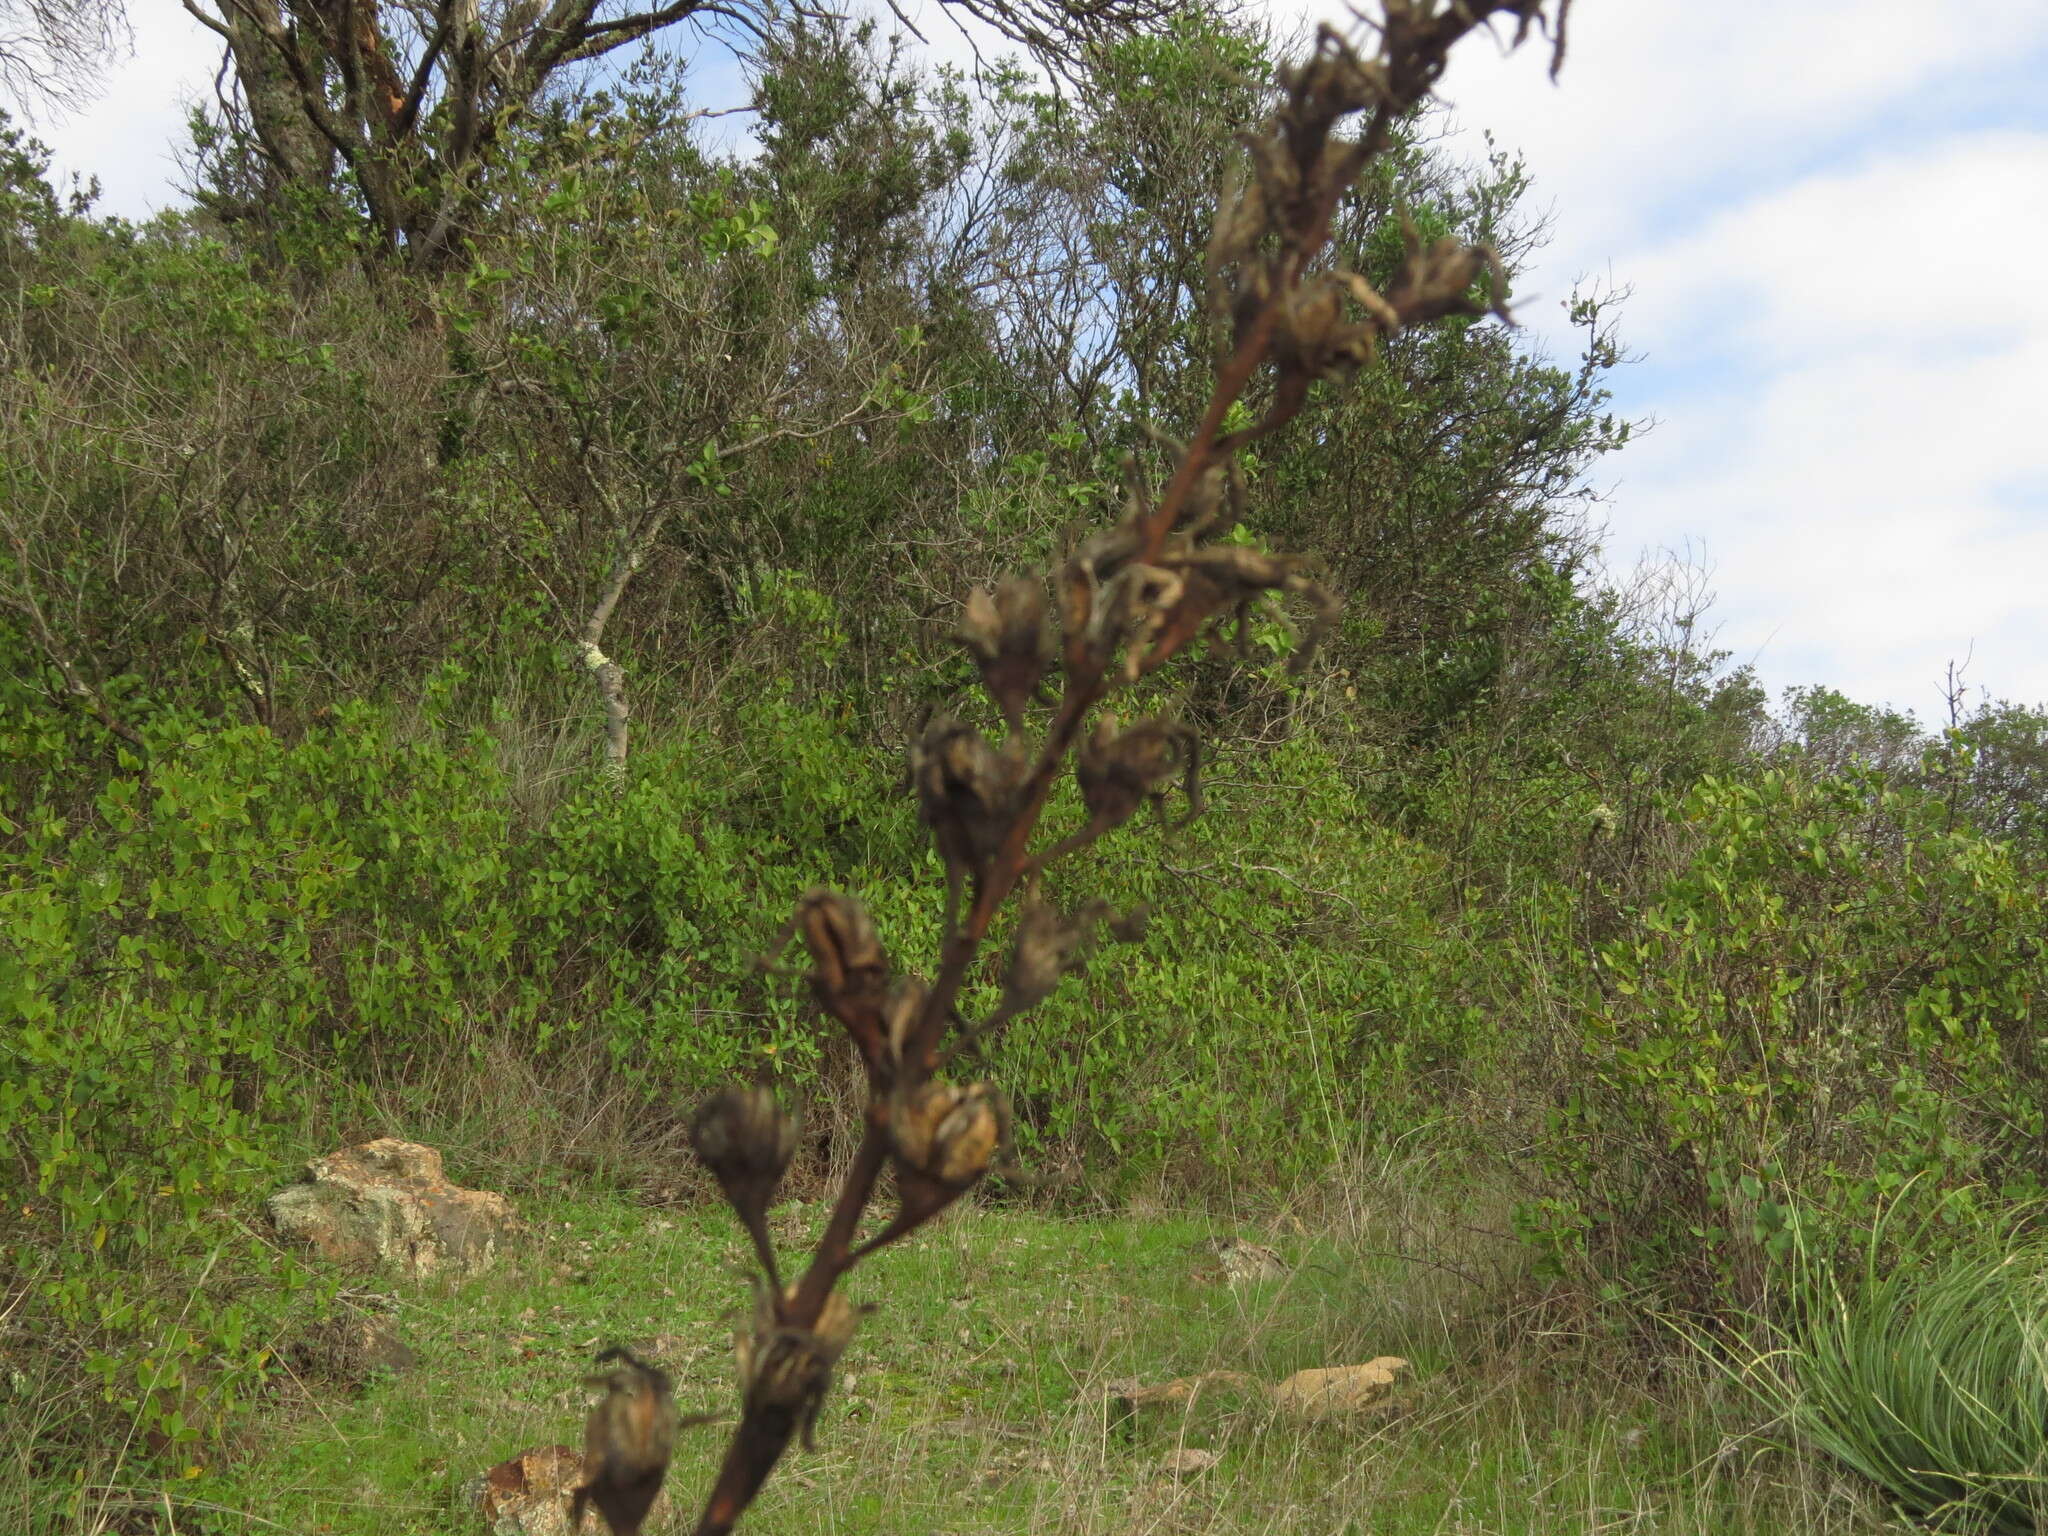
(1127,601)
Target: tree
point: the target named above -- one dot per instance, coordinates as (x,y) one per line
(51,50)
(1837,735)
(385,118)
(2006,783)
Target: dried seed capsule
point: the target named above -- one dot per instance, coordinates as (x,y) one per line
(900,1016)
(1008,636)
(849,967)
(965,789)
(914,1120)
(746,1139)
(627,1442)
(1119,769)
(846,952)
(1046,947)
(967,794)
(788,1369)
(966,1140)
(945,1133)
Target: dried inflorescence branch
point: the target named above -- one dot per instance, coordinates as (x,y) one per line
(1126,601)
(627,1442)
(1328,325)
(1048,946)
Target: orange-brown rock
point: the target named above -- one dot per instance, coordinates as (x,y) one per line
(1338,1390)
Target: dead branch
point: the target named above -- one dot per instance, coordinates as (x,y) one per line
(1127,601)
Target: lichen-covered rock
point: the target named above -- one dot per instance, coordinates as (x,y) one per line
(1339,1390)
(1236,1261)
(530,1495)
(386,1203)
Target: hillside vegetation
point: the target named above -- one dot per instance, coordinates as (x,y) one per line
(429,683)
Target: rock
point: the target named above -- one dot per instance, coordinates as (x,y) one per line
(1187,1461)
(1125,1398)
(387,1203)
(350,1350)
(1329,1392)
(1245,1262)
(1339,1390)
(1132,1395)
(528,1495)
(1234,1260)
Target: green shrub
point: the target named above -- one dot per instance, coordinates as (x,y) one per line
(1831,1002)
(254,946)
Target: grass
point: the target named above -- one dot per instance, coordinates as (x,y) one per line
(974,1399)
(1930,1379)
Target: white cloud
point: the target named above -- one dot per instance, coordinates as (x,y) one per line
(1822,208)
(1869,475)
(130,135)
(1918,249)
(1662,99)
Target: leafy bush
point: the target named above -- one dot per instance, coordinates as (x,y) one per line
(255,946)
(1831,1001)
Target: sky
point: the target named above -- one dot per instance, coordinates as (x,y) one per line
(1827,216)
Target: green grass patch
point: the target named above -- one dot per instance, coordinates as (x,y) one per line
(1929,1378)
(974,1400)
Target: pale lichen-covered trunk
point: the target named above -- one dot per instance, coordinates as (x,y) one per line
(300,154)
(609,676)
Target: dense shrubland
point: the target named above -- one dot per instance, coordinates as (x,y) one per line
(421,679)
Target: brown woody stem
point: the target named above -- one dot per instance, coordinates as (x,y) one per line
(1414,58)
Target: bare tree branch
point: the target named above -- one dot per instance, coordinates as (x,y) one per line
(52,51)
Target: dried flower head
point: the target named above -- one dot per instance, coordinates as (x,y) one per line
(1436,279)
(785,1370)
(744,1137)
(841,937)
(1120,768)
(849,967)
(747,1139)
(1007,634)
(946,1133)
(1216,500)
(1230,578)
(967,794)
(627,1442)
